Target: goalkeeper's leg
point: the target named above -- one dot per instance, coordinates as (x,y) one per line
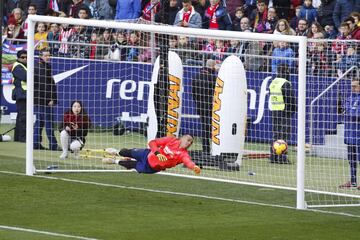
(126,161)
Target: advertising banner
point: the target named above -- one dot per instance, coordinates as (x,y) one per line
(110,89)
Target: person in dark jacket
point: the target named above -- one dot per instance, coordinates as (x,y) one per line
(352,132)
(325,12)
(203,86)
(282,107)
(19,71)
(216,17)
(174,7)
(45,99)
(308,12)
(342,10)
(41,6)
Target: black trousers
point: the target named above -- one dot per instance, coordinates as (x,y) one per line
(20,126)
(205,112)
(281,129)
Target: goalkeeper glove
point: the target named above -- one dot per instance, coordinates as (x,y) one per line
(197,169)
(112,151)
(162,158)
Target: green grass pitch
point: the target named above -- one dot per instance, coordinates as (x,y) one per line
(139,206)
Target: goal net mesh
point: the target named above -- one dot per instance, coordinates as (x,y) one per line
(121,77)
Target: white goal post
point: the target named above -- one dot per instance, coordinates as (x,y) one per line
(196,33)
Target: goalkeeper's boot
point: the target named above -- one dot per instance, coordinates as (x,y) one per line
(348,185)
(108,161)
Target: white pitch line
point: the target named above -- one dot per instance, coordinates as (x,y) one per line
(181,194)
(44,232)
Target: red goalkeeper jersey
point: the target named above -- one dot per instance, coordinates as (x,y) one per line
(169,147)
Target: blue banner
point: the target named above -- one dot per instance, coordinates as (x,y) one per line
(107,89)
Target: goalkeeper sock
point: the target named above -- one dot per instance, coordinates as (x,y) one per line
(127,164)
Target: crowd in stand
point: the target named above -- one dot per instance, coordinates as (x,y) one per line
(315,19)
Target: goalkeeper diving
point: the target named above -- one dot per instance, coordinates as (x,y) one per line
(163,153)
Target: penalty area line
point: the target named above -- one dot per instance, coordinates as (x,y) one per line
(182,194)
(45,232)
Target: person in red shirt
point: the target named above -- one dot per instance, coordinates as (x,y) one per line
(76,124)
(163,153)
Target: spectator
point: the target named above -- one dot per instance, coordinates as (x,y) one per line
(330,32)
(234,47)
(259,16)
(104,44)
(245,25)
(83,12)
(350,59)
(232,6)
(17,13)
(201,6)
(81,35)
(100,9)
(118,49)
(19,72)
(65,33)
(173,42)
(54,5)
(283,28)
(31,11)
(216,17)
(64,6)
(75,127)
(316,31)
(250,6)
(320,62)
(308,12)
(282,54)
(76,6)
(219,51)
(93,47)
(144,50)
(45,99)
(54,35)
(339,46)
(325,12)
(239,14)
(356,16)
(187,16)
(134,42)
(41,36)
(10,5)
(173,10)
(13,31)
(188,57)
(41,5)
(282,8)
(342,10)
(272,20)
(354,28)
(253,61)
(302,28)
(295,20)
(147,7)
(128,9)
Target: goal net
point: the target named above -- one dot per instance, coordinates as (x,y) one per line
(135,82)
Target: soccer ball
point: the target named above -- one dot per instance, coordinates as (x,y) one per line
(279,147)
